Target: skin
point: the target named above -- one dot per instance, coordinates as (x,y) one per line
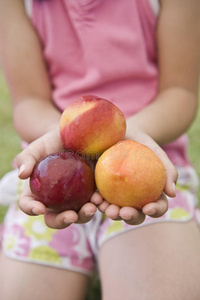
(178,50)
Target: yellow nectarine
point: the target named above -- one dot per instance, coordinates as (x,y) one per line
(130,174)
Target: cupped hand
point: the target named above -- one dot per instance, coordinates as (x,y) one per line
(133,216)
(155,209)
(41,147)
(26,160)
(56,220)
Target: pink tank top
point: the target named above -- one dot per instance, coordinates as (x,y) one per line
(102,47)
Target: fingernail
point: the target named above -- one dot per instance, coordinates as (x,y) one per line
(68,221)
(152,212)
(174,188)
(21,169)
(90,214)
(35,211)
(128,218)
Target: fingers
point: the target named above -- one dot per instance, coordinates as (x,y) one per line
(60,220)
(52,219)
(156,209)
(86,213)
(96,199)
(132,216)
(56,220)
(28,205)
(112,212)
(66,218)
(129,215)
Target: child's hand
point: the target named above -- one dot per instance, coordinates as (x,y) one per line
(30,206)
(26,160)
(131,215)
(156,209)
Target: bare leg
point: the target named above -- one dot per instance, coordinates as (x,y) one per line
(160,261)
(22,281)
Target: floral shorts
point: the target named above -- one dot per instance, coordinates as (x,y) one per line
(28,239)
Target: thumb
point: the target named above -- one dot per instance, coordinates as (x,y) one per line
(27,159)
(41,147)
(25,164)
(171,174)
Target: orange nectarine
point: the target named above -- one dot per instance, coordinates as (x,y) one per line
(130,174)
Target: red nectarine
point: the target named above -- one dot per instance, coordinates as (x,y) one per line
(90,125)
(62,181)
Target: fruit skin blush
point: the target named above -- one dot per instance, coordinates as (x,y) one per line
(62,181)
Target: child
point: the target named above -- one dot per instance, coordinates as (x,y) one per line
(143,56)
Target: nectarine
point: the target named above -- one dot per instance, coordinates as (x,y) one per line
(130,174)
(62,181)
(90,125)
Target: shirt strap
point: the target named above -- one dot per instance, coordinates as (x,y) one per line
(155,4)
(28,7)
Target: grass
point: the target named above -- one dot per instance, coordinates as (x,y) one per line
(10,146)
(10,142)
